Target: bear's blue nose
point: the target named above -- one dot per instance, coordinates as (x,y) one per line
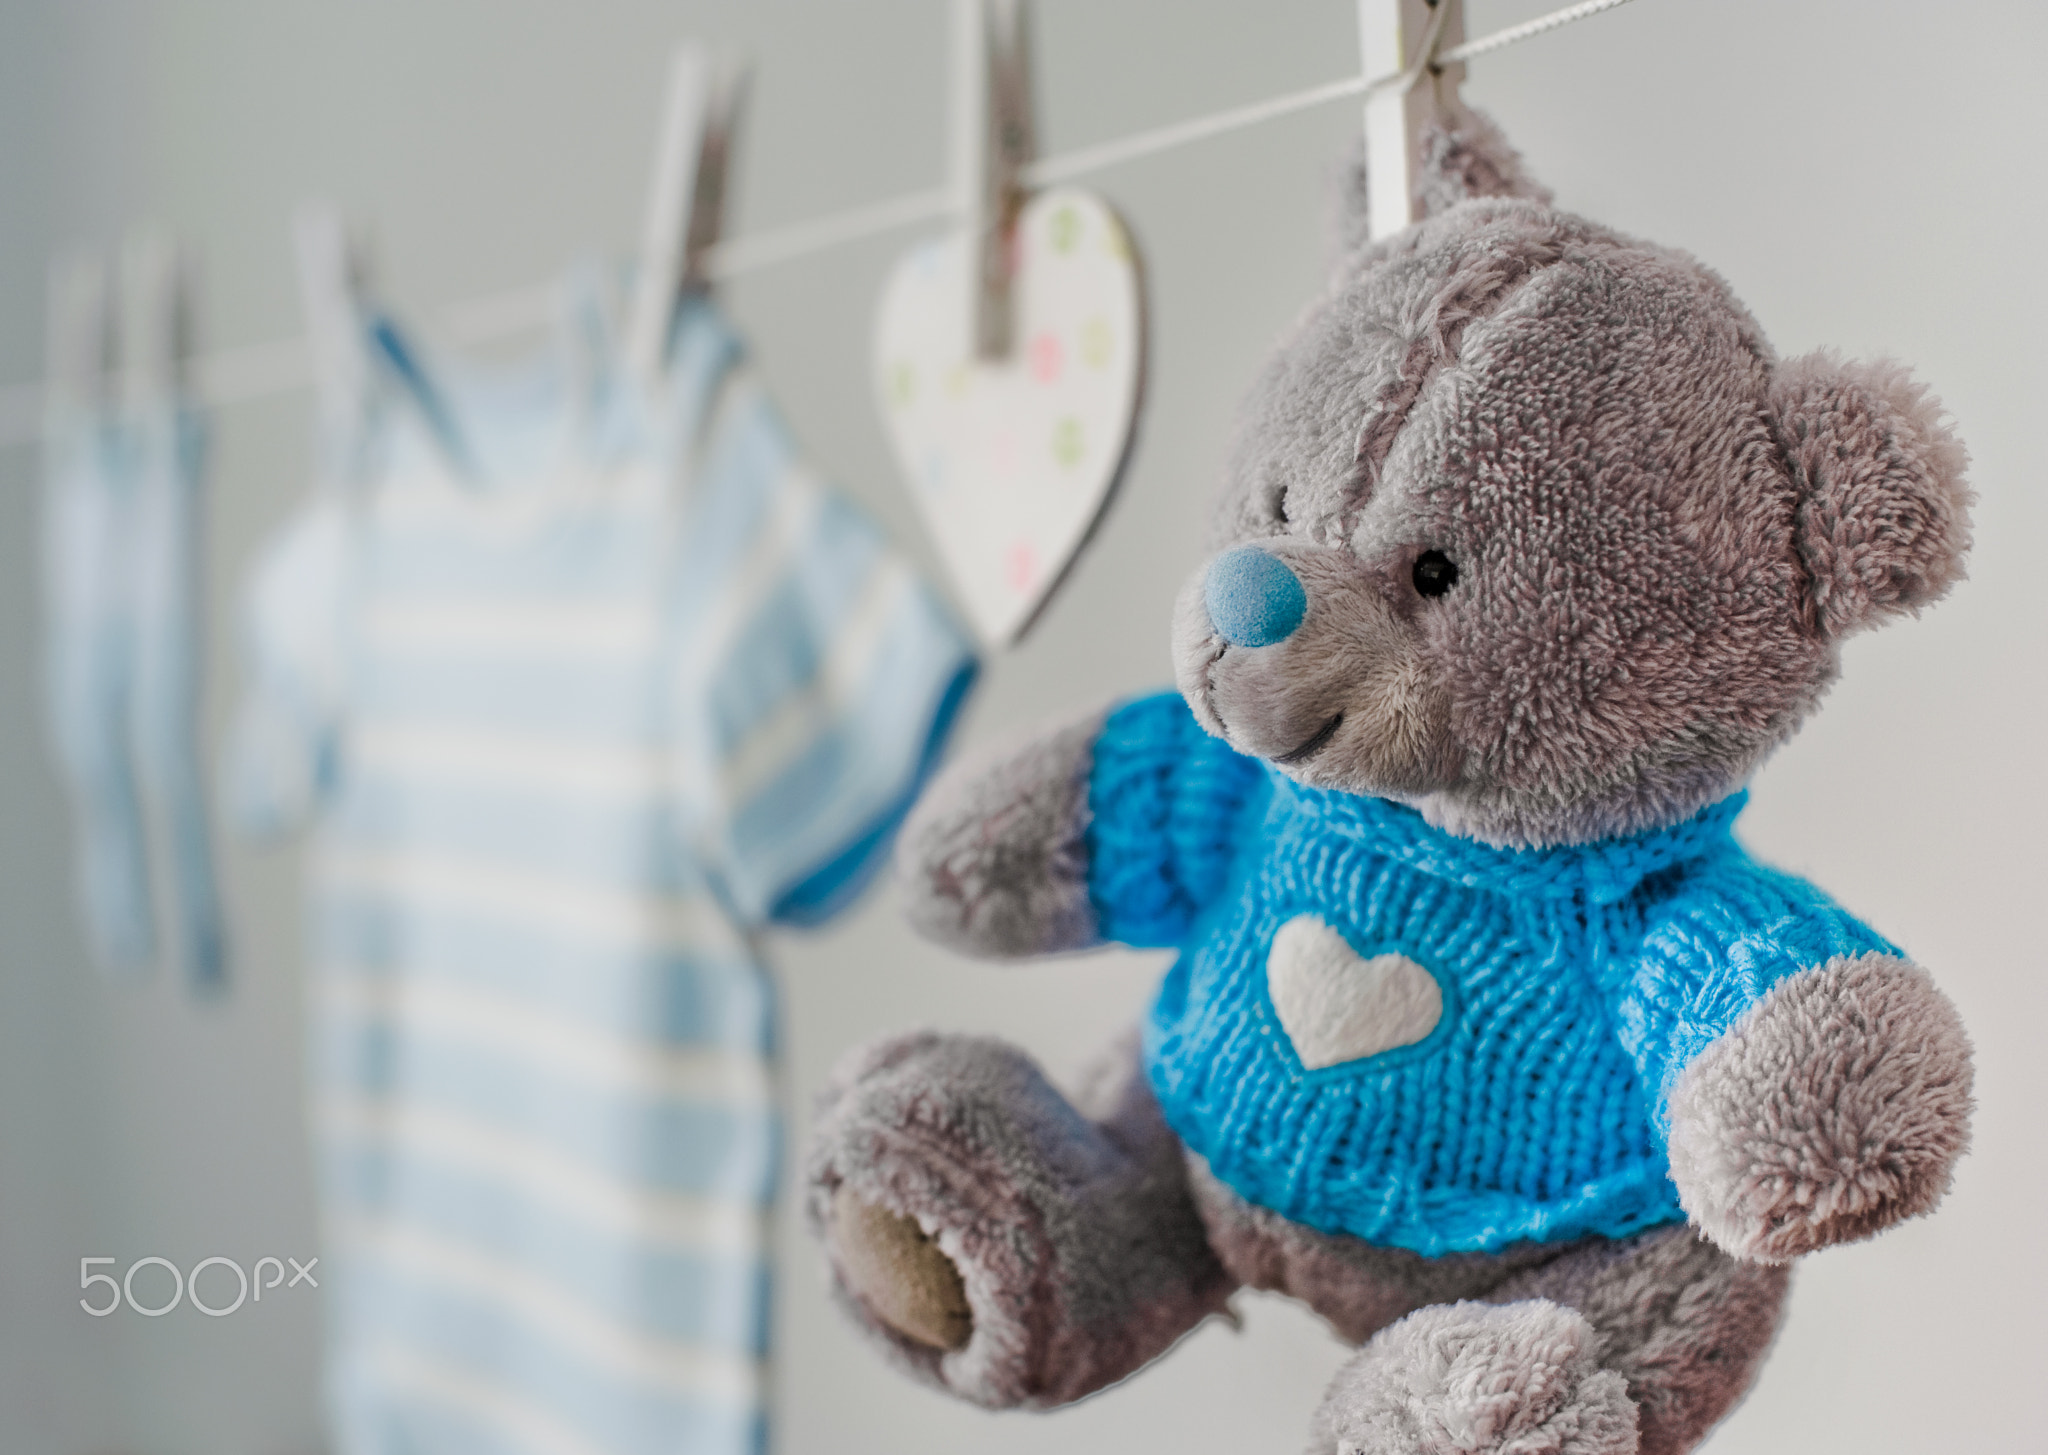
(1253,599)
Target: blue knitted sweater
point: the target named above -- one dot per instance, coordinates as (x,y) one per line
(1541,1002)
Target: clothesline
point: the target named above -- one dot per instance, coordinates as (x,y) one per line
(254,371)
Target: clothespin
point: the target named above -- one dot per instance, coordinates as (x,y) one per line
(80,334)
(1404,37)
(333,272)
(685,196)
(156,319)
(994,140)
(356,351)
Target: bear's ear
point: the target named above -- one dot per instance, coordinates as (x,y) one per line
(1882,516)
(1464,155)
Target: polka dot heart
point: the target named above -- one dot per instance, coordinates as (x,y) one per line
(1012,460)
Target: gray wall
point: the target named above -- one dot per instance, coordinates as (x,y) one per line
(1864,171)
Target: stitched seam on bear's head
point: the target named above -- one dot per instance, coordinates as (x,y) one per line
(1478,288)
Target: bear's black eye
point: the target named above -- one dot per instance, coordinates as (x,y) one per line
(1435,573)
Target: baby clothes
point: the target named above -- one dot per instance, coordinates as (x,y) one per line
(1381,1029)
(125,620)
(167,441)
(584,692)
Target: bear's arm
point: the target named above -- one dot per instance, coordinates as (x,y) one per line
(1119,827)
(1168,806)
(1811,1085)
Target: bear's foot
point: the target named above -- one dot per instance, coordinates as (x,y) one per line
(1479,1379)
(998,1242)
(1684,1323)
(895,1268)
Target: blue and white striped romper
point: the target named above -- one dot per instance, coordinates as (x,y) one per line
(581,694)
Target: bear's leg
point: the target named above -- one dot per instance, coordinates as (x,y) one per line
(1629,1347)
(997,1241)
(1478,1379)
(1683,1322)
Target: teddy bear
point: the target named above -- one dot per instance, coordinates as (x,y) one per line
(1487,1039)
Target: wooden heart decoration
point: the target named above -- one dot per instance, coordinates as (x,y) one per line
(1011,461)
(1336,1005)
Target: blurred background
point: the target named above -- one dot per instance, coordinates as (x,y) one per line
(1865,172)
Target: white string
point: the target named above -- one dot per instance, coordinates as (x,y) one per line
(253,371)
(1500,39)
(765,249)
(1165,138)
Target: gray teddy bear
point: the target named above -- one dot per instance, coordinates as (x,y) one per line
(1487,1040)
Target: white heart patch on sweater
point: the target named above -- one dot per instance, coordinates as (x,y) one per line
(1336,1005)
(1011,460)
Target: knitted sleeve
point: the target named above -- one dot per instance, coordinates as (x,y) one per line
(1167,806)
(1731,931)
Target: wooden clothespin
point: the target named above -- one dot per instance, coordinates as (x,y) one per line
(80,334)
(333,272)
(1404,37)
(685,196)
(357,354)
(156,318)
(994,139)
